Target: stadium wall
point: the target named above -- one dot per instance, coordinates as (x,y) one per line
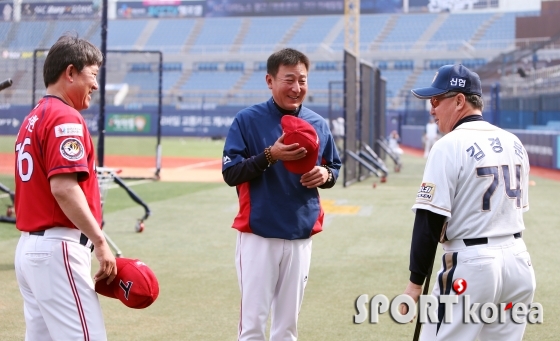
(203,121)
(542,147)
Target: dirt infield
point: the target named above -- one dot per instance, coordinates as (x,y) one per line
(187,169)
(173,168)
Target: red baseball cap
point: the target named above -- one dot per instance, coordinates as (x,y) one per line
(297,130)
(135,285)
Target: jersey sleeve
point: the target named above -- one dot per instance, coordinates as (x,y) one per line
(65,139)
(438,185)
(235,148)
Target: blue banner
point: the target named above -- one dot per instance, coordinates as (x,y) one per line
(160,9)
(231,8)
(175,121)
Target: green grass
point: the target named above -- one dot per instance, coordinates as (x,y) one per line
(190,246)
(7,143)
(170,146)
(146,146)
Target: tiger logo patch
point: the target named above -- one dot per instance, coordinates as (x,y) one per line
(72,149)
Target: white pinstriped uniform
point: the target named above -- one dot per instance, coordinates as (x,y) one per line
(477,176)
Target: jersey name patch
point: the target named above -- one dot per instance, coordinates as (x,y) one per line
(72,149)
(426,192)
(69,129)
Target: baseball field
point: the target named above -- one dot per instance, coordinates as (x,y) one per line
(188,243)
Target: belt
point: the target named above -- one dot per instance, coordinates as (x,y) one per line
(484,240)
(83,239)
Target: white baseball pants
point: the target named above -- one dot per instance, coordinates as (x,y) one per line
(54,276)
(272,275)
(497,272)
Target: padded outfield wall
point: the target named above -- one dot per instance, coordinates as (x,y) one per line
(543,147)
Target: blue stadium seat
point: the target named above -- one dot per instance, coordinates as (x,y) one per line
(395,80)
(267,31)
(314,30)
(217,31)
(170,35)
(29,35)
(458,28)
(256,81)
(424,78)
(169,78)
(72,26)
(500,34)
(143,80)
(211,80)
(123,34)
(319,80)
(408,28)
(370,27)
(4,29)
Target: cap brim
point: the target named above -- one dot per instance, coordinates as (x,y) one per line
(102,288)
(302,165)
(427,93)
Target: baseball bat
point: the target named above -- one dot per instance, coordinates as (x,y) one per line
(5,84)
(424,292)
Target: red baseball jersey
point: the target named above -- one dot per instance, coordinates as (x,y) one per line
(53,139)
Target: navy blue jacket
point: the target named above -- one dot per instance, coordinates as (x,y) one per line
(276,204)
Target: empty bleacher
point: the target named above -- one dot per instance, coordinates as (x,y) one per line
(227,55)
(79,27)
(457,30)
(217,35)
(499,33)
(313,31)
(263,36)
(211,80)
(407,30)
(170,35)
(370,28)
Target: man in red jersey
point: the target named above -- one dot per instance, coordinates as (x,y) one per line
(58,205)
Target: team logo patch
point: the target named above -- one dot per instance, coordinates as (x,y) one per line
(226,160)
(426,192)
(72,149)
(68,129)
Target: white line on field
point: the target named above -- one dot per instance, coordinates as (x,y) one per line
(200,164)
(131,183)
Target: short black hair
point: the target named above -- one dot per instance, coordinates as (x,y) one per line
(289,57)
(69,50)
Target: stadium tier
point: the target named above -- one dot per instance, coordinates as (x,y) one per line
(227,55)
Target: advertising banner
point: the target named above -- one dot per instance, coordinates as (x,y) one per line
(160,9)
(59,10)
(217,8)
(129,123)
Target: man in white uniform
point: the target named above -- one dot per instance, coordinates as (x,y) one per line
(430,137)
(472,198)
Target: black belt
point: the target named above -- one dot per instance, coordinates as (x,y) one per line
(83,239)
(484,240)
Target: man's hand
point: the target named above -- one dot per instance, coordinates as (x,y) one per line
(315,177)
(107,263)
(414,291)
(283,152)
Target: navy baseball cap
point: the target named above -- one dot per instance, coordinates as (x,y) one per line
(451,78)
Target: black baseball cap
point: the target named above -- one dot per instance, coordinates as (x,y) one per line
(451,78)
